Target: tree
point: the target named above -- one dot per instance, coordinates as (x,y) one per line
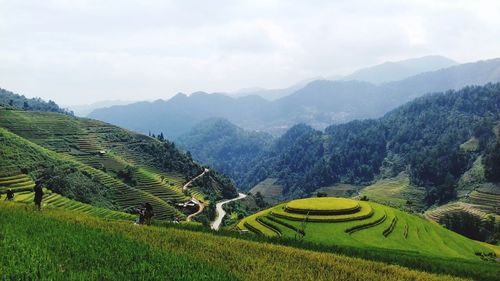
(26,106)
(161,137)
(259,200)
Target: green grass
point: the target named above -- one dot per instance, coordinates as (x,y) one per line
(54,200)
(471,178)
(16,183)
(404,231)
(323,205)
(88,248)
(36,247)
(395,192)
(365,211)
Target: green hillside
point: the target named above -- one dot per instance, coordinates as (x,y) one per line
(14,101)
(88,248)
(224,146)
(53,247)
(99,164)
(348,222)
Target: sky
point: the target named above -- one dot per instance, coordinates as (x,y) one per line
(80,52)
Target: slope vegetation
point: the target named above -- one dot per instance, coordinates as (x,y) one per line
(99,164)
(423,139)
(88,247)
(348,222)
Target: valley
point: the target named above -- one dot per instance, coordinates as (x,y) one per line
(250,140)
(96,175)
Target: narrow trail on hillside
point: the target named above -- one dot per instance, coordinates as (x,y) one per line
(200,209)
(220,211)
(185,187)
(200,205)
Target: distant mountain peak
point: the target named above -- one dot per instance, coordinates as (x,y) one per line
(399,70)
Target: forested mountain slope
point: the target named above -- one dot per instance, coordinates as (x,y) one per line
(423,138)
(225,146)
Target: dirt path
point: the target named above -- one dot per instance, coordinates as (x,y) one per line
(200,205)
(200,209)
(220,211)
(185,187)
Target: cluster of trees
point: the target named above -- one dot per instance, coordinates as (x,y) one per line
(492,160)
(224,146)
(422,137)
(11,100)
(75,184)
(472,226)
(165,155)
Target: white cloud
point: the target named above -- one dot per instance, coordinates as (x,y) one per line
(84,51)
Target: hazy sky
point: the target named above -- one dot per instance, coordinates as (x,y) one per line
(78,52)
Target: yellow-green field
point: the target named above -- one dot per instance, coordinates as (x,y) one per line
(395,192)
(373,225)
(322,205)
(89,248)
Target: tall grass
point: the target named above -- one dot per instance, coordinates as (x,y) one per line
(234,258)
(36,247)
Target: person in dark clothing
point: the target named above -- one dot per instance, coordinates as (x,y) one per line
(38,195)
(145,214)
(148,213)
(10,195)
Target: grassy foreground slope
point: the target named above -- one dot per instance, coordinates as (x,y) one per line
(36,246)
(90,248)
(373,225)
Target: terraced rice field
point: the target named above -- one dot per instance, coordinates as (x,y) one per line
(487,197)
(437,213)
(102,150)
(88,248)
(481,202)
(54,200)
(16,183)
(153,184)
(349,222)
(129,197)
(396,192)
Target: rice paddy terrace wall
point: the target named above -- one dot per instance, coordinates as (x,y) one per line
(101,150)
(349,222)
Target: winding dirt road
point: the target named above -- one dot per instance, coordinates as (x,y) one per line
(200,209)
(220,211)
(185,187)
(200,205)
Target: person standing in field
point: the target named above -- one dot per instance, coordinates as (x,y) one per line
(145,214)
(148,213)
(10,195)
(38,195)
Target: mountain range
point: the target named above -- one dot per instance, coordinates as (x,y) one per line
(378,74)
(320,103)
